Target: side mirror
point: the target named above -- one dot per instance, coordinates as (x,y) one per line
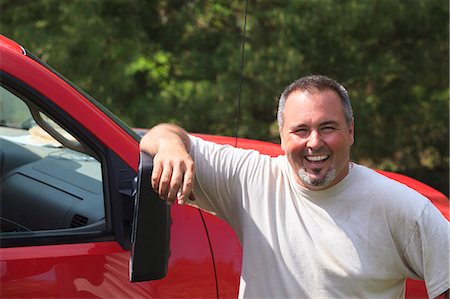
(151,228)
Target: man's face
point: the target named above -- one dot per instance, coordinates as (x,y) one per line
(316,138)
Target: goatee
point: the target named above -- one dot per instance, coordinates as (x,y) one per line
(314,181)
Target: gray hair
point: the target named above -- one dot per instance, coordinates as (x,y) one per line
(315,83)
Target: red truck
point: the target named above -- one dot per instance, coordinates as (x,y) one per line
(68,171)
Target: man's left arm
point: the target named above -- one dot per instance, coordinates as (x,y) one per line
(427,251)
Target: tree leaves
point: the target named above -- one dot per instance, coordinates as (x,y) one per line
(168,60)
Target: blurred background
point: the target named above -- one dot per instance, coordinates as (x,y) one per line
(179,61)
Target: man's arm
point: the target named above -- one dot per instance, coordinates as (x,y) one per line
(173,167)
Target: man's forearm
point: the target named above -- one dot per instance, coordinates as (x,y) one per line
(164,135)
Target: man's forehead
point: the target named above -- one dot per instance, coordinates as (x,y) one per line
(307,106)
(320,96)
(312,90)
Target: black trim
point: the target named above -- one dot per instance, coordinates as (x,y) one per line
(121,180)
(212,252)
(40,239)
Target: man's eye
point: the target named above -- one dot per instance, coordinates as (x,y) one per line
(328,129)
(302,132)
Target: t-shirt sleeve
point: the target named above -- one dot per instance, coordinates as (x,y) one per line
(428,250)
(222,173)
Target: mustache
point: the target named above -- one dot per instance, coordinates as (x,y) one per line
(320,151)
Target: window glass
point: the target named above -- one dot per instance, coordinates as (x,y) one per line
(50,184)
(13,112)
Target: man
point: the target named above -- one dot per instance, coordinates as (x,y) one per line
(312,223)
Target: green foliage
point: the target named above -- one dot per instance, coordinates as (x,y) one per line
(179,61)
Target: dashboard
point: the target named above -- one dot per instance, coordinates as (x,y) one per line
(45,186)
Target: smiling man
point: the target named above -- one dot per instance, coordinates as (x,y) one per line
(312,223)
(316,136)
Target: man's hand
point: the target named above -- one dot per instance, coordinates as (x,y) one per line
(173,167)
(173,174)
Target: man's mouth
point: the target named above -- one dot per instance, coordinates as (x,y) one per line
(317,158)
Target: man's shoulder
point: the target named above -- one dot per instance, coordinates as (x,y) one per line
(387,190)
(226,148)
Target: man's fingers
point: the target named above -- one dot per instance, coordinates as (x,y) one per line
(164,181)
(188,181)
(172,177)
(156,175)
(175,183)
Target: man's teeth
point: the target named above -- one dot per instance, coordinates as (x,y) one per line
(316,158)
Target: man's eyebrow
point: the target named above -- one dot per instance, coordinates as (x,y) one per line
(324,123)
(298,126)
(329,122)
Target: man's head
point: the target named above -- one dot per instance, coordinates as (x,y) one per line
(315,120)
(315,83)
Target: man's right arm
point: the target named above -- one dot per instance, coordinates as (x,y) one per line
(173,167)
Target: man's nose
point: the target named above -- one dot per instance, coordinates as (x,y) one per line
(315,140)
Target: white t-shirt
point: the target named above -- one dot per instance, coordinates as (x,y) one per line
(358,239)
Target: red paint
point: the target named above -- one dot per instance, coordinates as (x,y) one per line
(101,269)
(10,45)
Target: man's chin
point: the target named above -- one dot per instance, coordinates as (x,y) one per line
(317,181)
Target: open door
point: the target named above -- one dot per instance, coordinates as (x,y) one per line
(151,228)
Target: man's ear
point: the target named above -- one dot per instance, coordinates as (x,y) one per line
(282,141)
(352,130)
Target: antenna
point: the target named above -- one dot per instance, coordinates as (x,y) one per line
(238,102)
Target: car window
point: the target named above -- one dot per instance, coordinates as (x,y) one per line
(50,182)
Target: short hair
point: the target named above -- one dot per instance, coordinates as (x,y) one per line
(315,83)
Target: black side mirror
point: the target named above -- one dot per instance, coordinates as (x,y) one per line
(151,228)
